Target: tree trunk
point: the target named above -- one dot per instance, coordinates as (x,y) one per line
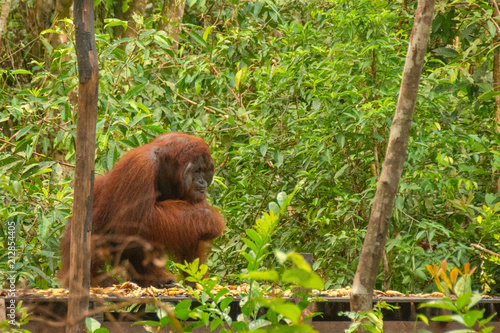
(62,11)
(135,7)
(496,87)
(171,19)
(3,17)
(374,244)
(81,221)
(496,74)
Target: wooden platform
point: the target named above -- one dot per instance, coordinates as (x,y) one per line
(48,314)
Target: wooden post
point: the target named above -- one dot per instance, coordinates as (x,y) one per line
(81,221)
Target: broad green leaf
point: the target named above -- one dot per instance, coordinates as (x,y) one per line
(273,206)
(287,309)
(132,93)
(254,236)
(251,245)
(20,71)
(113,22)
(225,302)
(472,317)
(183,309)
(92,324)
(281,197)
(23,131)
(304,278)
(101,330)
(271,275)
(299,261)
(463,300)
(263,148)
(258,323)
(486,320)
(207,32)
(197,38)
(341,171)
(439,304)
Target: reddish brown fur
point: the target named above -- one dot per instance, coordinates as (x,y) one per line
(143,209)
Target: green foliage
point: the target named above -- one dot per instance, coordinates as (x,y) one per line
(213,311)
(372,321)
(283,92)
(13,325)
(94,326)
(462,305)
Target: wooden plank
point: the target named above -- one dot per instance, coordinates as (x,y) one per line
(322,327)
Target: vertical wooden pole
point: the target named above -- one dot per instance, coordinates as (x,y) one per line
(81,221)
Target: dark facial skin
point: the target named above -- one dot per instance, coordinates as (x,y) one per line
(198,176)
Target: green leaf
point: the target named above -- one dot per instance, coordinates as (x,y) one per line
(446,52)
(304,278)
(207,32)
(278,158)
(197,38)
(164,321)
(254,236)
(423,318)
(240,77)
(488,329)
(439,304)
(9,160)
(472,316)
(20,71)
(23,131)
(273,206)
(183,309)
(251,245)
(43,227)
(463,285)
(299,261)
(476,297)
(247,257)
(288,310)
(221,293)
(281,198)
(463,300)
(113,22)
(132,93)
(442,318)
(92,324)
(341,171)
(341,140)
(270,275)
(36,169)
(225,302)
(256,324)
(101,330)
(486,320)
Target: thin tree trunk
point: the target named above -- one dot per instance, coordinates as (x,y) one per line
(3,17)
(171,19)
(496,74)
(62,11)
(135,7)
(374,244)
(81,221)
(496,87)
